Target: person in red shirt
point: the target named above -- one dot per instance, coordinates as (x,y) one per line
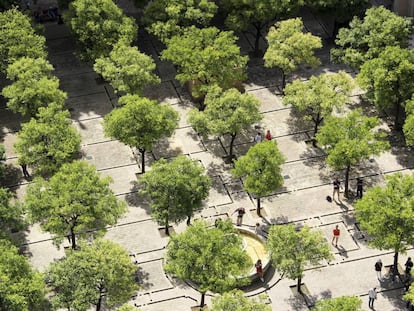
(268,135)
(336,233)
(259,269)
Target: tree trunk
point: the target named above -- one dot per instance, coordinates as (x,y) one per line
(257,40)
(283,81)
(317,121)
(233,137)
(99,304)
(395,272)
(299,285)
(203,296)
(73,238)
(142,150)
(188,220)
(398,122)
(258,208)
(348,168)
(167,231)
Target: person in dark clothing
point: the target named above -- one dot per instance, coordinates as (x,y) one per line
(24,170)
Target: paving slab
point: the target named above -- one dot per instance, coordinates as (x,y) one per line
(268,98)
(91,131)
(89,106)
(152,276)
(145,236)
(81,84)
(8,140)
(164,92)
(124,178)
(280,123)
(108,154)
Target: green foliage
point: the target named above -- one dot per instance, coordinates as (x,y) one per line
(241,15)
(343,10)
(99,25)
(26,68)
(127,69)
(207,57)
(344,303)
(226,113)
(212,257)
(292,250)
(140,122)
(86,276)
(236,301)
(388,79)
(21,288)
(128,308)
(260,168)
(176,189)
(74,201)
(366,39)
(350,139)
(318,97)
(49,141)
(387,213)
(166,18)
(11,215)
(289,46)
(33,86)
(409,122)
(18,38)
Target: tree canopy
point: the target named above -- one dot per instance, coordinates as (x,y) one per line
(366,39)
(317,98)
(21,288)
(18,38)
(74,202)
(388,80)
(49,141)
(350,139)
(176,189)
(242,15)
(140,122)
(260,169)
(289,47)
(236,301)
(167,18)
(99,25)
(127,69)
(344,303)
(409,122)
(11,214)
(227,113)
(386,214)
(100,274)
(212,257)
(206,57)
(33,86)
(291,250)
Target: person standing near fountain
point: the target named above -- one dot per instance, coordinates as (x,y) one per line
(240,212)
(259,269)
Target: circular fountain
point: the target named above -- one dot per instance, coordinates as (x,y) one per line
(255,248)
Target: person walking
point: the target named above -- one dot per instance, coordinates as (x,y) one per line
(336,233)
(259,269)
(258,138)
(372,295)
(378,269)
(24,170)
(268,135)
(336,185)
(240,212)
(408,266)
(360,185)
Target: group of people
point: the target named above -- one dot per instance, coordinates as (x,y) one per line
(259,138)
(337,186)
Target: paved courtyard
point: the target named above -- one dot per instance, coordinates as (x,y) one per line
(301,200)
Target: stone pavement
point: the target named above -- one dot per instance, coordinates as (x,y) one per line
(301,200)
